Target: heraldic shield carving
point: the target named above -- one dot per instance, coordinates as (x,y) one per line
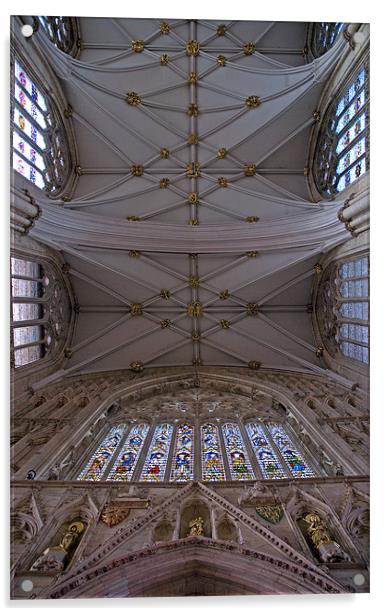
(270,513)
(114,513)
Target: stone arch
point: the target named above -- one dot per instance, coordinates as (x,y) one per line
(203,563)
(226,529)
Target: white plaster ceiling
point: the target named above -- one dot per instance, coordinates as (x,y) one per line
(112,136)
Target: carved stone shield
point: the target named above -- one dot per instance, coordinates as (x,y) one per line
(114,513)
(270,513)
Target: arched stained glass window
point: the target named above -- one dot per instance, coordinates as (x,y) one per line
(342,154)
(239,464)
(182,464)
(324,35)
(60,30)
(99,461)
(126,462)
(298,467)
(268,460)
(157,457)
(212,462)
(353,328)
(40,153)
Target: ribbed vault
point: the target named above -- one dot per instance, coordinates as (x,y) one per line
(190,236)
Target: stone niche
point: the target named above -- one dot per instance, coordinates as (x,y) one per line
(193,511)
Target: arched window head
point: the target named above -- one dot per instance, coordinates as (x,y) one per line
(343,309)
(323,36)
(62,31)
(342,152)
(39,313)
(166,452)
(40,150)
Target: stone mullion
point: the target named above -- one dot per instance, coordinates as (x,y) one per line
(251,453)
(171,453)
(117,452)
(197,475)
(228,476)
(277,451)
(142,457)
(305,452)
(91,449)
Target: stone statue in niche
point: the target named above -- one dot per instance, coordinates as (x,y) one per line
(55,558)
(57,471)
(196,527)
(329,551)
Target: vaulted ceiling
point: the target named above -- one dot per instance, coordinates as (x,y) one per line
(191,237)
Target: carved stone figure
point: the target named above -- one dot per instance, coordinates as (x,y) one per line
(328,549)
(55,558)
(196,527)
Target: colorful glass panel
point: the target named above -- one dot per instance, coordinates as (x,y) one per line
(355,310)
(268,461)
(29,129)
(128,457)
(351,92)
(157,457)
(212,462)
(358,333)
(30,87)
(239,464)
(299,468)
(355,351)
(26,170)
(97,464)
(28,151)
(351,134)
(183,457)
(352,155)
(355,288)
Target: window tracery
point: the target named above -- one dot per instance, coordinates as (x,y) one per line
(170,454)
(323,36)
(61,31)
(38,311)
(39,149)
(342,152)
(343,308)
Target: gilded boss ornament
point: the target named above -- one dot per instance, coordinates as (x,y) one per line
(193,110)
(221,30)
(221,152)
(137,170)
(224,324)
(254,365)
(164,153)
(193,197)
(164,182)
(223,182)
(249,48)
(193,170)
(252,254)
(165,323)
(165,294)
(136,310)
(224,294)
(252,101)
(194,222)
(133,99)
(252,218)
(136,366)
(221,60)
(164,27)
(194,282)
(319,351)
(138,46)
(192,77)
(133,218)
(192,139)
(252,309)
(164,59)
(135,253)
(194,309)
(249,170)
(192,48)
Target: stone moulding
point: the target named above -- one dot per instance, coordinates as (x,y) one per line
(293,560)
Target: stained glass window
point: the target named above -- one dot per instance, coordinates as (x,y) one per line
(157,457)
(99,461)
(38,139)
(182,465)
(212,462)
(239,464)
(353,322)
(29,337)
(342,151)
(126,462)
(324,35)
(268,460)
(60,30)
(298,467)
